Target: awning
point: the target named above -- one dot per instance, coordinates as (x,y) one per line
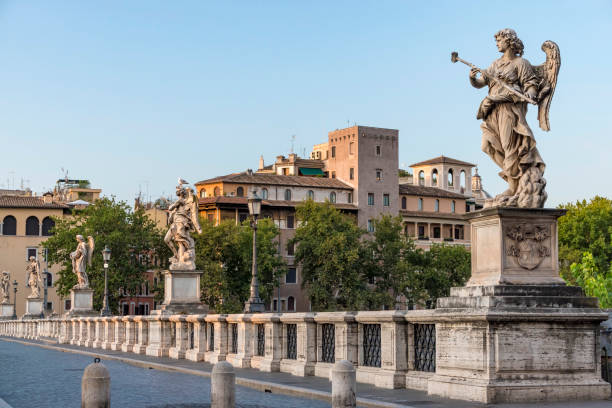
(304,171)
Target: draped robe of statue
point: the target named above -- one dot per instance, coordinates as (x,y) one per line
(34,278)
(4,287)
(80,258)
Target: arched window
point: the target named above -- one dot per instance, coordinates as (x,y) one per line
(9,225)
(291,304)
(434,177)
(437,205)
(217,191)
(403,203)
(311,195)
(332,197)
(47,226)
(453,206)
(240,192)
(420,204)
(450,178)
(462,180)
(32,226)
(202,193)
(421,178)
(287,195)
(264,193)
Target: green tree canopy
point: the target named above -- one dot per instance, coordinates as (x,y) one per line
(595,282)
(134,241)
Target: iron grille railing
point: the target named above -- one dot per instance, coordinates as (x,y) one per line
(371,345)
(261,340)
(328,343)
(211,337)
(173,334)
(234,337)
(291,341)
(425,347)
(191,328)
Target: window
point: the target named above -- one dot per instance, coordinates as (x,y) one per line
(9,225)
(436,232)
(378,174)
(217,191)
(421,178)
(67,304)
(125,309)
(31,252)
(311,195)
(421,231)
(453,206)
(386,200)
(420,204)
(290,221)
(211,217)
(274,305)
(378,150)
(240,192)
(291,304)
(350,198)
(333,174)
(49,306)
(47,225)
(285,171)
(403,203)
(462,181)
(434,177)
(370,226)
(450,178)
(352,173)
(333,151)
(437,205)
(202,193)
(291,276)
(32,226)
(290,249)
(264,193)
(332,197)
(352,148)
(370,198)
(49,279)
(287,195)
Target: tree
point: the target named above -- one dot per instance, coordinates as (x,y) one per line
(595,283)
(224,253)
(587,227)
(443,267)
(332,258)
(132,237)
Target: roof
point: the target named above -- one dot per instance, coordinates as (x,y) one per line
(277,179)
(264,203)
(79,202)
(27,202)
(443,160)
(429,214)
(411,189)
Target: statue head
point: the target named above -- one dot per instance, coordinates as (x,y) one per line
(5,275)
(507,38)
(80,238)
(32,258)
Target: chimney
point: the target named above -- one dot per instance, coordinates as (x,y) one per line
(47,198)
(261,162)
(292,157)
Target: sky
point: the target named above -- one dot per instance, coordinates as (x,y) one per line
(132,95)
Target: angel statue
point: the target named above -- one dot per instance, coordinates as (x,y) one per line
(506,137)
(183,220)
(5,282)
(81,257)
(34,278)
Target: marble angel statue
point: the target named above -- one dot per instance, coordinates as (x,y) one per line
(183,221)
(81,258)
(34,278)
(506,137)
(5,283)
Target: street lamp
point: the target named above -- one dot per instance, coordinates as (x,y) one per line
(15,299)
(254,304)
(106,253)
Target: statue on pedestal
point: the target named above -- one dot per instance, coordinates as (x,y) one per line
(81,257)
(34,278)
(5,283)
(183,220)
(506,137)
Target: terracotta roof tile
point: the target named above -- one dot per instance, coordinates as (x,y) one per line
(264,203)
(411,189)
(279,180)
(443,160)
(27,202)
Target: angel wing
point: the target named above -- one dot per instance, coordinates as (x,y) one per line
(90,249)
(547,73)
(195,215)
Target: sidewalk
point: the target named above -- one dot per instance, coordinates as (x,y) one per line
(306,387)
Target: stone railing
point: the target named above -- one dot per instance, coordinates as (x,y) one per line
(390,349)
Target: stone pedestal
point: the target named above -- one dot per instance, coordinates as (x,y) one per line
(34,307)
(6,311)
(181,293)
(516,333)
(82,302)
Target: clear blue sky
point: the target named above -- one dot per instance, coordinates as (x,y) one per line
(137,93)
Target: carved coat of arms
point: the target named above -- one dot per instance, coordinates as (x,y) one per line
(527,244)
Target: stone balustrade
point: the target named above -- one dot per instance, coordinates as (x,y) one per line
(388,348)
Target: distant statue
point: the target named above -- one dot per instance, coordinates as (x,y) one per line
(5,282)
(183,221)
(81,258)
(506,137)
(34,278)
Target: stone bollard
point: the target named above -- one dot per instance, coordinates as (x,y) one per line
(223,386)
(344,385)
(95,387)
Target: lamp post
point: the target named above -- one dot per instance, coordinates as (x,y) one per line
(254,304)
(15,299)
(106,253)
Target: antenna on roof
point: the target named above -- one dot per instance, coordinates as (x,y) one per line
(292,142)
